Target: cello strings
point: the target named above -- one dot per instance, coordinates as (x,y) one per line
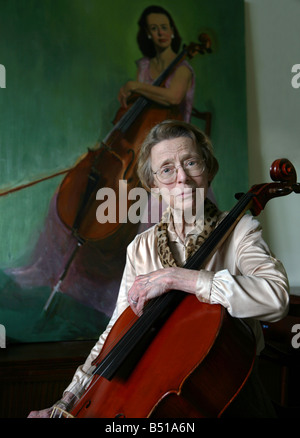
(215,237)
(125,338)
(128,118)
(210,244)
(87,386)
(93,379)
(160,303)
(123,349)
(125,122)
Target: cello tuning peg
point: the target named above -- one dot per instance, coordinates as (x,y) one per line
(238,195)
(205,41)
(296,188)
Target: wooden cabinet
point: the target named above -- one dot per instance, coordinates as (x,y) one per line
(33,376)
(280,361)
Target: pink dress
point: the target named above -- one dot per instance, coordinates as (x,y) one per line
(186,105)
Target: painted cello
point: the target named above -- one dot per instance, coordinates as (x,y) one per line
(113,160)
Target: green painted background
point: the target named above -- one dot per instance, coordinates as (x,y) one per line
(65,61)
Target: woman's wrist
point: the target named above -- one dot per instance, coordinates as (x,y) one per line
(182,279)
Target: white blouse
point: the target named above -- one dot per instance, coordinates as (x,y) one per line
(243,276)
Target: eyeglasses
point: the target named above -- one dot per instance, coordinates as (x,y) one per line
(168,174)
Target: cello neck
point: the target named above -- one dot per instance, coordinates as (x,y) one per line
(142,102)
(164,75)
(220,233)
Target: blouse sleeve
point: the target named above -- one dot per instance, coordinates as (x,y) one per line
(245,277)
(84,372)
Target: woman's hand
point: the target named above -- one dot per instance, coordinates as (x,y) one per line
(125,92)
(156,283)
(65,404)
(44,413)
(146,287)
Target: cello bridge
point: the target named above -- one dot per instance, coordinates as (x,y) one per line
(58,412)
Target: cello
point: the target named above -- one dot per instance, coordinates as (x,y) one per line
(147,368)
(113,160)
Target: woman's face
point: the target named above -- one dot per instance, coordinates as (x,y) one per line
(180,153)
(160,30)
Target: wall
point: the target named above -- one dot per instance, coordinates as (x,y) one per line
(273,107)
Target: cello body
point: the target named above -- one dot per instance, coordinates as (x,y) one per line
(183,369)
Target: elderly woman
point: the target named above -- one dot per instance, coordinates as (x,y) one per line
(177,160)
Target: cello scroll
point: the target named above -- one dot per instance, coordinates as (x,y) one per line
(283,170)
(204,46)
(284,175)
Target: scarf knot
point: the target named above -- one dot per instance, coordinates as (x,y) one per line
(211,216)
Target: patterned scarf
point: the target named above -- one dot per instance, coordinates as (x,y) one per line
(211,216)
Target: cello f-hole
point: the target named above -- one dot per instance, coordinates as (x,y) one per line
(88,404)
